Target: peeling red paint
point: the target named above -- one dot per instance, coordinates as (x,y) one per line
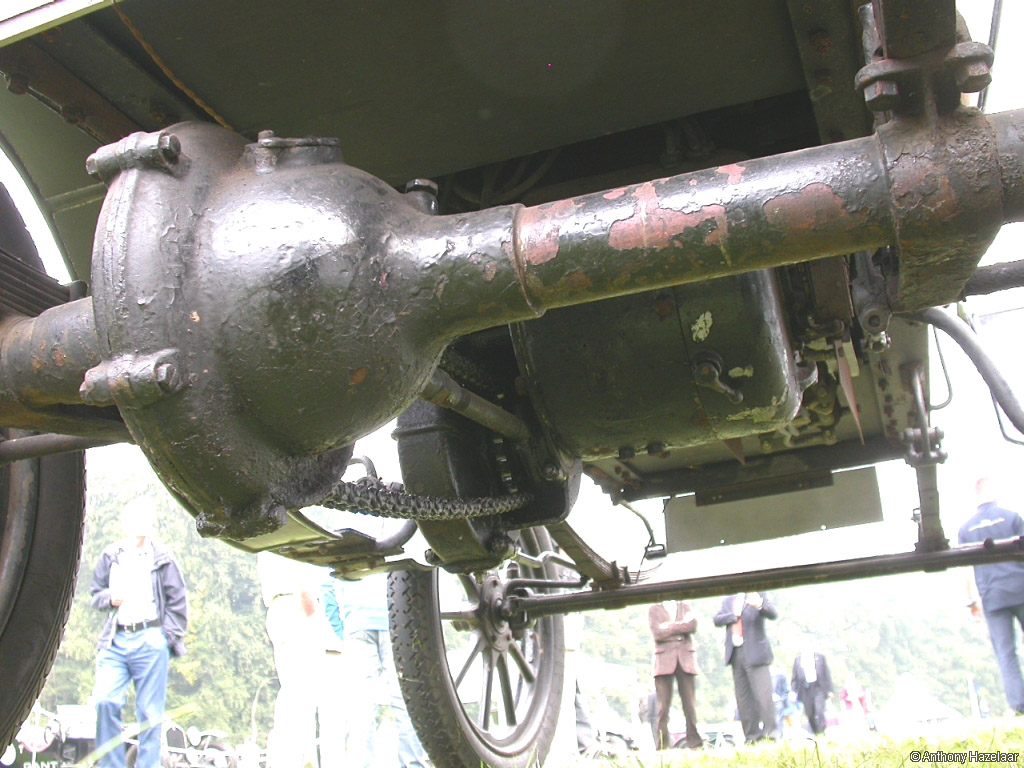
(655,227)
(734,171)
(490,271)
(358,376)
(539,229)
(615,194)
(814,206)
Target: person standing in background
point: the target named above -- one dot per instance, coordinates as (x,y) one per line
(290,592)
(370,665)
(672,626)
(749,653)
(812,683)
(138,583)
(1000,586)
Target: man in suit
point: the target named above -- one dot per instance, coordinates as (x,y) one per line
(672,626)
(812,683)
(749,653)
(1000,586)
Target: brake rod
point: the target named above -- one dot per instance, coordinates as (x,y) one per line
(987,552)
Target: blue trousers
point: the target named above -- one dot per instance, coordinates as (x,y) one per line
(1004,642)
(140,658)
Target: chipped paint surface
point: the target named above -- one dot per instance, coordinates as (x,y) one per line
(357,376)
(812,207)
(655,227)
(540,228)
(759,415)
(741,373)
(615,194)
(702,327)
(734,171)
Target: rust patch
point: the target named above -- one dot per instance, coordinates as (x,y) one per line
(357,376)
(664,307)
(539,229)
(652,226)
(59,358)
(814,206)
(615,194)
(577,281)
(734,171)
(490,271)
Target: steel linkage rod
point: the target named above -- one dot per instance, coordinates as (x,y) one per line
(34,446)
(771,578)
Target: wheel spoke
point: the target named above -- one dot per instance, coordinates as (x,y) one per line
(470,586)
(469,661)
(506,690)
(485,693)
(524,666)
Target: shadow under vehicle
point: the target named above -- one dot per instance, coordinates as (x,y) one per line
(676,248)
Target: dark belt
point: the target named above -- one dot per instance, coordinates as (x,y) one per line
(139,626)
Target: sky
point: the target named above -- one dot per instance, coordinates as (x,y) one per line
(972,437)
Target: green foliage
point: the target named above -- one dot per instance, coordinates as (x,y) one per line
(229,654)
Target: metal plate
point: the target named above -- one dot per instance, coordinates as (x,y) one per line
(851,499)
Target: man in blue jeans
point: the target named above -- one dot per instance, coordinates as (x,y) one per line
(370,663)
(1000,586)
(138,583)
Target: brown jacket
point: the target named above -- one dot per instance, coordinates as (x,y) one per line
(673,643)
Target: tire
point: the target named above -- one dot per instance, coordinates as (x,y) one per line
(49,494)
(453,734)
(42,507)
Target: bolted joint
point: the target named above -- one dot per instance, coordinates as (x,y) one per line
(160,151)
(133,382)
(972,66)
(882,95)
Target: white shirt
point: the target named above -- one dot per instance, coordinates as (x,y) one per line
(131,577)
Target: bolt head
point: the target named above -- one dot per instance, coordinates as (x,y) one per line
(166,374)
(170,146)
(972,77)
(881,95)
(421,185)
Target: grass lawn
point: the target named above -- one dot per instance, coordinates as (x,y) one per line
(965,747)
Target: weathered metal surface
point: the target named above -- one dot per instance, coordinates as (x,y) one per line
(634,363)
(912,27)
(43,359)
(27,68)
(34,446)
(767,579)
(443,390)
(828,40)
(995,277)
(302,303)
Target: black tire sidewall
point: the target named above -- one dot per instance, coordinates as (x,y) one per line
(28,645)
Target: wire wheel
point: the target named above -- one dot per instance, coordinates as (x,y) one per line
(480,688)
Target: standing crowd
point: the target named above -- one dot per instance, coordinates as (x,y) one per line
(334,663)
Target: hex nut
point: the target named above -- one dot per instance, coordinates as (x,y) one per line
(881,95)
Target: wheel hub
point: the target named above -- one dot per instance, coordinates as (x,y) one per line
(493,624)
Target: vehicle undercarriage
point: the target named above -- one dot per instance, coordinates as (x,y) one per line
(678,251)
